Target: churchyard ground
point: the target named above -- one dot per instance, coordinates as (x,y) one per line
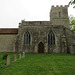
(39,64)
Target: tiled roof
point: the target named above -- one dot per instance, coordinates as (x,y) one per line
(8,30)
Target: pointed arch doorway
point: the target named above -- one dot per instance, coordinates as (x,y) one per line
(41,48)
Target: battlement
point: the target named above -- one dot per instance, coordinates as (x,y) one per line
(34,23)
(61,6)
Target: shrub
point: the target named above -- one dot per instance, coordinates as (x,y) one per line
(5,56)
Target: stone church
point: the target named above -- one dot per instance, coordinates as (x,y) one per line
(52,36)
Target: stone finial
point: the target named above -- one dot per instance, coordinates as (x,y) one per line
(8,60)
(23,21)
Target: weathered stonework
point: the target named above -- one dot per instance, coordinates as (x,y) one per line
(52,36)
(7,42)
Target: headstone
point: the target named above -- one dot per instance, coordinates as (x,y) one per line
(19,55)
(8,60)
(14,57)
(23,54)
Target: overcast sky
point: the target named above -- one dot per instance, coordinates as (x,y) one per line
(13,11)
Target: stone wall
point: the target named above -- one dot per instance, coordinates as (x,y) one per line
(71,41)
(7,42)
(39,33)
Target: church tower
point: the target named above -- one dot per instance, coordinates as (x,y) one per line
(59,15)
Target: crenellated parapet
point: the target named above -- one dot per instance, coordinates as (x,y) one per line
(59,6)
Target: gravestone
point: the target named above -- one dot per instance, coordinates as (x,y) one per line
(14,57)
(19,55)
(8,60)
(23,54)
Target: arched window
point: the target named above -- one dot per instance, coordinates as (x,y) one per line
(27,38)
(51,38)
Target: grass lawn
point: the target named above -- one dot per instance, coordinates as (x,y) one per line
(40,64)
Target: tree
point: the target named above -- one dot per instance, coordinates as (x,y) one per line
(72,22)
(72,2)
(73,28)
